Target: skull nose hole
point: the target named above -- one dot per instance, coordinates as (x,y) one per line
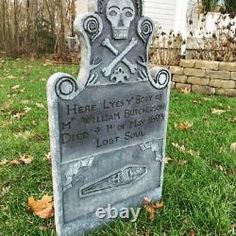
(121,22)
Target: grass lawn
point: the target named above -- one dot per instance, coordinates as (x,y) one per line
(200,178)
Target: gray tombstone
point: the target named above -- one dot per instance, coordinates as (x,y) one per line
(108,128)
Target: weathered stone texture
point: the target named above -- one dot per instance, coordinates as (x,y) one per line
(176,70)
(226,92)
(203,89)
(198,81)
(218,74)
(233,75)
(187,63)
(225,84)
(194,72)
(180,78)
(180,86)
(210,65)
(228,66)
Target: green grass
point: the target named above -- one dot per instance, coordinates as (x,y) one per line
(199,195)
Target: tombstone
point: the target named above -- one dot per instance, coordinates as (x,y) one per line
(108,127)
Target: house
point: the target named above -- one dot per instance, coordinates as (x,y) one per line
(168,14)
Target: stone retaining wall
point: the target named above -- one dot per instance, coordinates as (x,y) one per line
(206,77)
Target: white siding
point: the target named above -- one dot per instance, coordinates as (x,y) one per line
(163,12)
(169,14)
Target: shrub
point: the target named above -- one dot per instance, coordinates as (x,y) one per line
(166,48)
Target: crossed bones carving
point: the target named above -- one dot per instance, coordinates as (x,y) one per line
(120,57)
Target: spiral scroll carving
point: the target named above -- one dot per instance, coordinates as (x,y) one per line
(145,29)
(93,26)
(161,79)
(66,88)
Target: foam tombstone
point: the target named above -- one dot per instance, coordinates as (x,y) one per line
(108,127)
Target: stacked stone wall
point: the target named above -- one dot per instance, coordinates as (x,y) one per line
(205,77)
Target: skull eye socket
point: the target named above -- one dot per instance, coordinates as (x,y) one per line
(128,14)
(113,13)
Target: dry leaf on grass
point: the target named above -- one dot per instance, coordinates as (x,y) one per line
(218,111)
(3,162)
(25,159)
(152,207)
(185,90)
(6,106)
(234,120)
(233,147)
(23,135)
(42,208)
(181,162)
(19,115)
(185,126)
(39,105)
(48,157)
(183,149)
(15,87)
(167,159)
(5,190)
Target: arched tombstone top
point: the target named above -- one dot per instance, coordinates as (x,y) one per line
(115,39)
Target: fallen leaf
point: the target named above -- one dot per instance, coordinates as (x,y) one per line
(181,162)
(185,126)
(6,105)
(39,105)
(15,88)
(167,160)
(185,90)
(11,77)
(152,208)
(5,190)
(23,135)
(197,102)
(19,115)
(151,212)
(48,157)
(25,102)
(233,147)
(25,159)
(27,109)
(158,205)
(15,162)
(218,111)
(3,162)
(183,149)
(221,168)
(234,120)
(42,208)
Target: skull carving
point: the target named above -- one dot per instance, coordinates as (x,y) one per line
(120,13)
